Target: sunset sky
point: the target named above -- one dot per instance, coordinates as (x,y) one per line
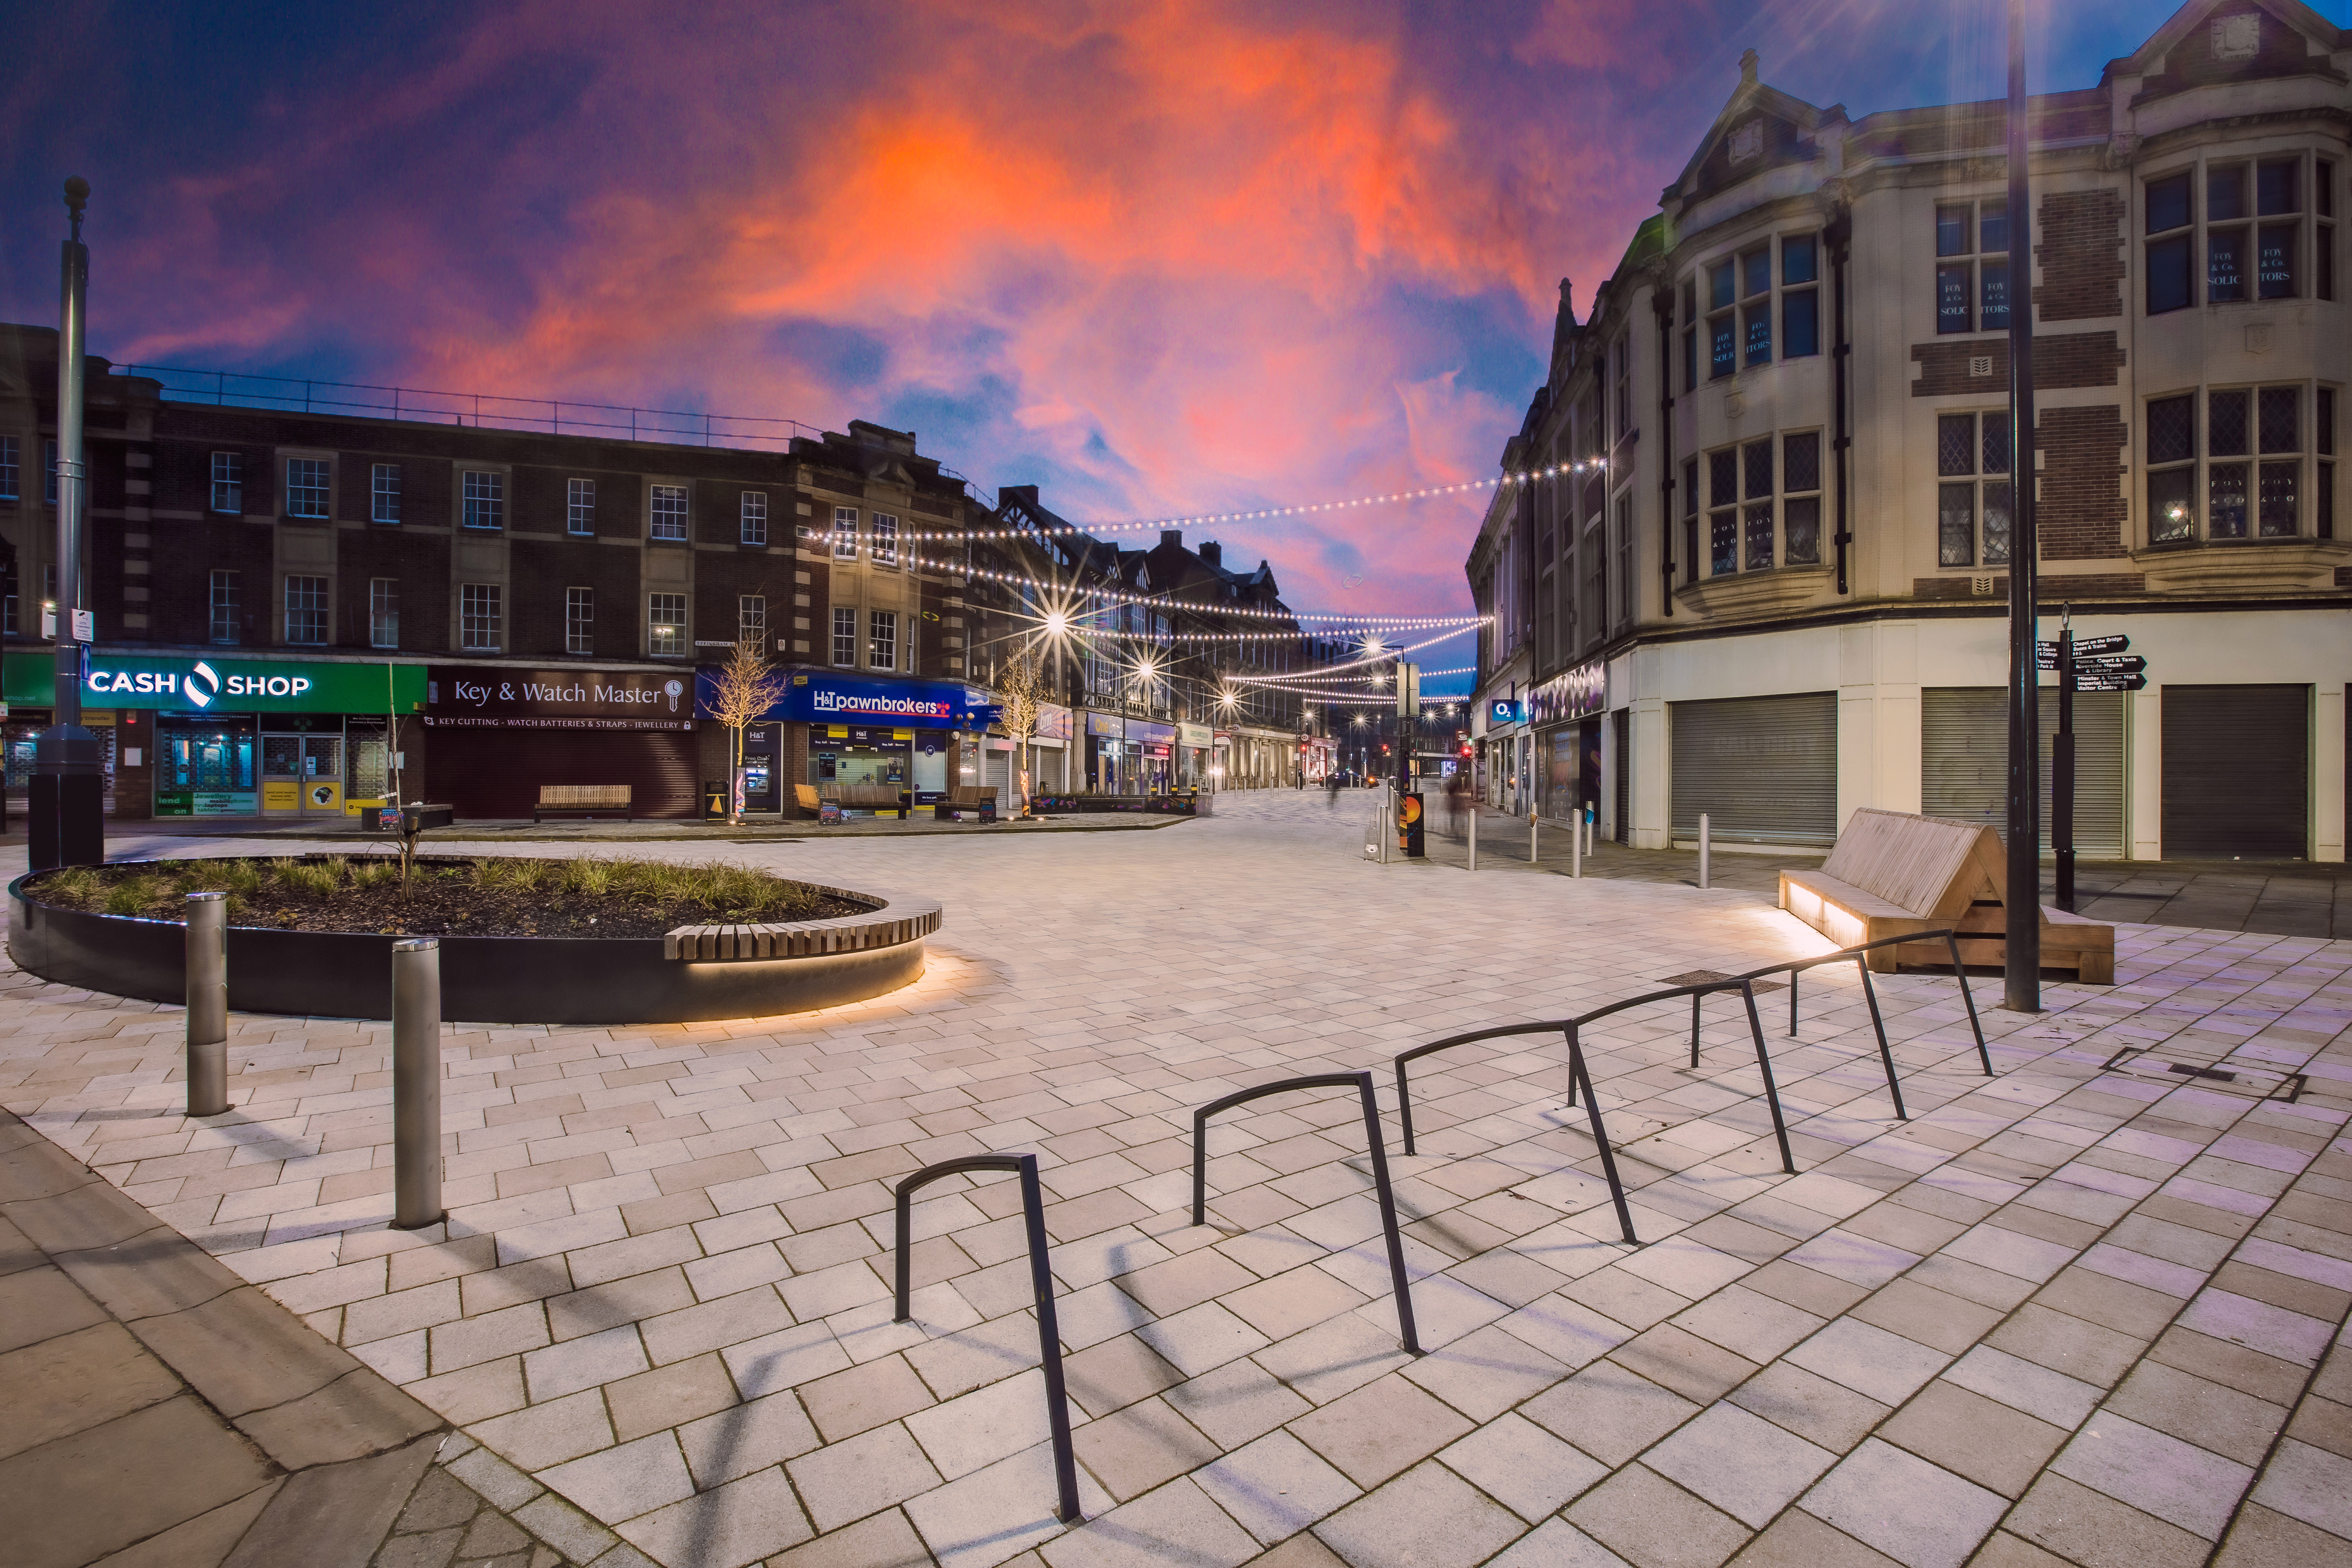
(1153,258)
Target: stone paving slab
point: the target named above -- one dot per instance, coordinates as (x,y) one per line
(2065,1312)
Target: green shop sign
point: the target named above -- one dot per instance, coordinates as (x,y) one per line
(185,684)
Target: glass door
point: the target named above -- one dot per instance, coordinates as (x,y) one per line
(322,776)
(281,775)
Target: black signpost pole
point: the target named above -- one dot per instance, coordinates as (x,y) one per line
(2062,768)
(2021,966)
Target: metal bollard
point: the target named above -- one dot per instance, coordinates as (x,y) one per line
(417,1082)
(1591,828)
(1535,827)
(1703,848)
(1474,833)
(1575,850)
(208,959)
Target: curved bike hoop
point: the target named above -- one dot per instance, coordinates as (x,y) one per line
(1870,993)
(1040,1279)
(1362,1083)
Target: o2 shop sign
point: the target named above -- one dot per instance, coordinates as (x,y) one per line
(199,687)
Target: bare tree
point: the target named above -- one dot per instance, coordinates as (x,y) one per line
(1019,690)
(742,690)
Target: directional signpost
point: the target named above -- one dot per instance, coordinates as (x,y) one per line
(2082,664)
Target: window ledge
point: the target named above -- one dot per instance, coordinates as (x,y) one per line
(1745,596)
(2240,565)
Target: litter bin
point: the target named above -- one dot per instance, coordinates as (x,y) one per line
(714,800)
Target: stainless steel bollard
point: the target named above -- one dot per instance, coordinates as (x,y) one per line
(208,960)
(1535,828)
(1575,849)
(1474,833)
(1703,849)
(417,1082)
(1591,830)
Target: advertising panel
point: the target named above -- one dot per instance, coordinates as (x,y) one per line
(1576,693)
(487,697)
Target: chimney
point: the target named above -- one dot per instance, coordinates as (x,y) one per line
(1212,552)
(1174,536)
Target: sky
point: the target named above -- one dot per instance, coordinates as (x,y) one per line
(1154,259)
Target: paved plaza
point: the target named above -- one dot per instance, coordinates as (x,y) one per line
(2089,1310)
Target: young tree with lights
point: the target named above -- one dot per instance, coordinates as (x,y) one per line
(1020,691)
(745,686)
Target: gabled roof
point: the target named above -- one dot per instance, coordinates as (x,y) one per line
(1759,128)
(2293,19)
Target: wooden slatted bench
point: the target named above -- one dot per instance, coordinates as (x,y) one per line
(1892,873)
(966,797)
(874,797)
(582,799)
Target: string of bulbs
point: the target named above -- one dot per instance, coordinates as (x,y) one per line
(1138,525)
(1352,617)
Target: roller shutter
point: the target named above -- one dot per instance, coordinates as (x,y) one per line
(1964,762)
(2236,772)
(1763,769)
(1000,772)
(496,773)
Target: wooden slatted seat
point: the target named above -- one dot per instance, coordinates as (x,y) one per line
(806,795)
(1892,873)
(875,797)
(582,799)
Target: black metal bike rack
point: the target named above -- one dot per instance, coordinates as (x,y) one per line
(1870,993)
(1362,1083)
(1581,1077)
(1040,1279)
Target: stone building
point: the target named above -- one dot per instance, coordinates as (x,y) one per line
(1758,566)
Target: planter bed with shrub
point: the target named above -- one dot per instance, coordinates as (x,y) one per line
(583,940)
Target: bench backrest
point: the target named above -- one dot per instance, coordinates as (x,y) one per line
(583,794)
(868,795)
(971,794)
(806,794)
(1933,866)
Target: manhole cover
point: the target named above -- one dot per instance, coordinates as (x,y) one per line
(1709,977)
(2228,1077)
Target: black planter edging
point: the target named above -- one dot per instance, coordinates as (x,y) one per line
(1157,805)
(484,979)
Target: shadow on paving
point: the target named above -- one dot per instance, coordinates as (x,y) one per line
(158,1411)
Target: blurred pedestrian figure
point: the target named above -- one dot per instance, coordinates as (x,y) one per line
(1331,785)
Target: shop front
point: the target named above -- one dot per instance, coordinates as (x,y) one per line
(1154,748)
(1196,748)
(1110,768)
(214,736)
(1565,714)
(500,732)
(920,736)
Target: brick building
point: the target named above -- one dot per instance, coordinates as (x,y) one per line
(1759,567)
(298,611)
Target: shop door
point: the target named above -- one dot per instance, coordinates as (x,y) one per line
(322,776)
(281,774)
(999,769)
(1964,762)
(1763,769)
(2236,772)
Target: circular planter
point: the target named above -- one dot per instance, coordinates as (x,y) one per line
(498,979)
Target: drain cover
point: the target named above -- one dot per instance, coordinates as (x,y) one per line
(2229,1076)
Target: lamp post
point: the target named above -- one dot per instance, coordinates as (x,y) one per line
(2022,950)
(67,825)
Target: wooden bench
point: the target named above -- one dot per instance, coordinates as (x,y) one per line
(1892,873)
(874,797)
(582,799)
(965,797)
(807,796)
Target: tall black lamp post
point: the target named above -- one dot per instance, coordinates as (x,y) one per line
(68,825)
(2021,967)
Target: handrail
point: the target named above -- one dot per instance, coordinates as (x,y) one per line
(1041,1280)
(1363,1082)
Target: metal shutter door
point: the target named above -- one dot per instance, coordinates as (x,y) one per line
(1964,762)
(496,773)
(2236,772)
(1000,768)
(1764,769)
